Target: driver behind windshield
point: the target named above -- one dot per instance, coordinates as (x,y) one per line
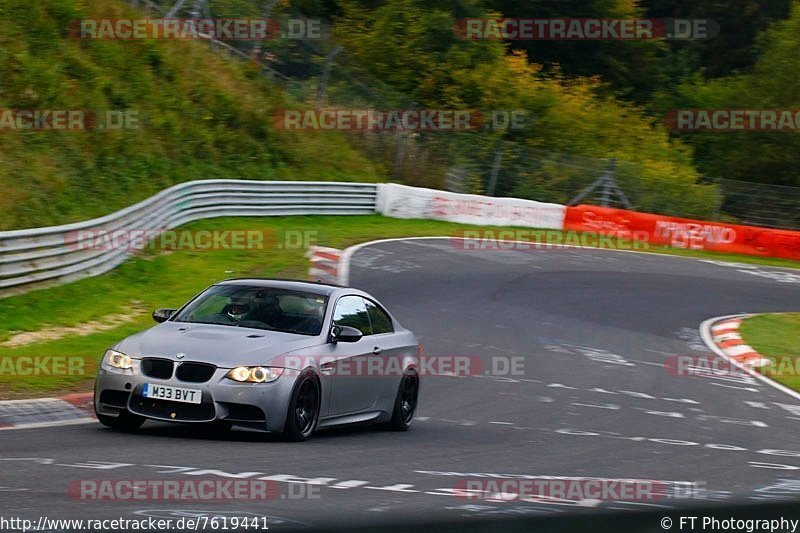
(262,308)
(237,308)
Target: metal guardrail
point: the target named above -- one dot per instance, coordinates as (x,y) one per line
(38,257)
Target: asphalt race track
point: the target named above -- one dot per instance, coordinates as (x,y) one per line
(593,329)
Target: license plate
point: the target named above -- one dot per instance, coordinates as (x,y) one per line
(173,394)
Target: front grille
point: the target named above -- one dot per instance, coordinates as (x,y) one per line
(178,411)
(157,368)
(195,372)
(114,398)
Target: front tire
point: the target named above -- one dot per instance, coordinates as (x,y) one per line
(405,404)
(126,421)
(303,414)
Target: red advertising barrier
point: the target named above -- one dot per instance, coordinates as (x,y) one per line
(685,233)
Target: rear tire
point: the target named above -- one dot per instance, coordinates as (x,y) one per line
(126,421)
(405,404)
(303,413)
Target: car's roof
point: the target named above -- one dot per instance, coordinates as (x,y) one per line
(288,284)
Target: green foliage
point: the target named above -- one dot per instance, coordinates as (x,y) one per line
(414,47)
(739,22)
(767,157)
(633,69)
(201,115)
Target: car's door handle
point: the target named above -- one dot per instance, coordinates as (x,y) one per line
(377,351)
(326,368)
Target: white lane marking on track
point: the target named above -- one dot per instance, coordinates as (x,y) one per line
(399,487)
(781,277)
(610,406)
(40,460)
(37,425)
(349,484)
(668,414)
(794,409)
(459,422)
(327,482)
(748,389)
(732,420)
(599,390)
(685,443)
(660,365)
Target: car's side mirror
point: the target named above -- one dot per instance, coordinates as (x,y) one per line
(345,334)
(160,315)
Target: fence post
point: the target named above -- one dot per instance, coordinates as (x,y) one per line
(498,160)
(322,89)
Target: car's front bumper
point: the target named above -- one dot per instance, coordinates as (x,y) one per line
(259,405)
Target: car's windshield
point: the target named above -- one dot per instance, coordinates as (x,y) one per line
(257,307)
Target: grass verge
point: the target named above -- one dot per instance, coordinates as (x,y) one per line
(777,337)
(155,278)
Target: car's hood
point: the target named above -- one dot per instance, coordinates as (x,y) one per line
(224,346)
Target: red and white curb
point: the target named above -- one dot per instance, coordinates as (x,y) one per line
(721,335)
(324,263)
(46,412)
(725,335)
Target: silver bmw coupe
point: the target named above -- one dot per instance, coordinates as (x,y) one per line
(277,355)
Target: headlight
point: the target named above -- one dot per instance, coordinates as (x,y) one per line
(118,360)
(254,374)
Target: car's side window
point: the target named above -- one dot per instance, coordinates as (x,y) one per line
(381,322)
(352,311)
